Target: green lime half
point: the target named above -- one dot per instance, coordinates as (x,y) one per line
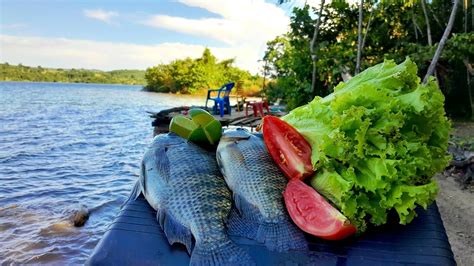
(213,131)
(198,136)
(182,126)
(201,117)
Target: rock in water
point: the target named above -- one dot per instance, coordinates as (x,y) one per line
(79,216)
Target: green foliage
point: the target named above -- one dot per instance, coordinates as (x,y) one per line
(397,30)
(376,141)
(189,76)
(24,73)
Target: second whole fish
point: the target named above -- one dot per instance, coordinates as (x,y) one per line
(257,185)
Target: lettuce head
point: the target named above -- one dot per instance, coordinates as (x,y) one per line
(377,140)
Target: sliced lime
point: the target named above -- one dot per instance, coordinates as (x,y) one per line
(198,136)
(201,117)
(213,131)
(182,126)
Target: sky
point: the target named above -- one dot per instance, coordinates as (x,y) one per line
(127,34)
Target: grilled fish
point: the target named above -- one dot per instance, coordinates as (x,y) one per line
(257,185)
(183,183)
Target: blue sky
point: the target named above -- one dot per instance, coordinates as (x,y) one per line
(136,34)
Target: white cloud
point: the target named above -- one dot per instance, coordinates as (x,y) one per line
(218,29)
(99,14)
(317,3)
(72,53)
(245,21)
(243,26)
(13,26)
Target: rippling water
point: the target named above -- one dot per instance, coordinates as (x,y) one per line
(63,146)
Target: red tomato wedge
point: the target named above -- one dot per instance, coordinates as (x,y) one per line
(287,147)
(313,214)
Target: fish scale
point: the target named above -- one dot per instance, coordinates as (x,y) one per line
(257,185)
(183,183)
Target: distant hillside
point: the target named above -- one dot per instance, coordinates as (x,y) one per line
(25,73)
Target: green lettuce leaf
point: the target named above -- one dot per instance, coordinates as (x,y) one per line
(376,143)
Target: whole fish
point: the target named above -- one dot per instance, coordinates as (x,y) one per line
(257,185)
(182,182)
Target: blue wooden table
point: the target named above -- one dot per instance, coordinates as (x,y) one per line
(135,238)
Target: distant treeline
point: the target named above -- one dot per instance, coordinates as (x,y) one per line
(25,73)
(195,76)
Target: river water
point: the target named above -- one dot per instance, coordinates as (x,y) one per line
(63,146)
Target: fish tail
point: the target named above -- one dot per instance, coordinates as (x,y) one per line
(136,191)
(226,253)
(281,236)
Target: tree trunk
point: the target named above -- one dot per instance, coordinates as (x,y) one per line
(470,72)
(367,30)
(442,42)
(427,20)
(414,26)
(314,57)
(359,38)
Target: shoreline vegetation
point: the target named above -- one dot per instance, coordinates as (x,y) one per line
(196,76)
(181,76)
(23,73)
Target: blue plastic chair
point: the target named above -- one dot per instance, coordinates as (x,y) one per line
(222,100)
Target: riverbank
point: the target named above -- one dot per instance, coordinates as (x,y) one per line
(455,202)
(22,73)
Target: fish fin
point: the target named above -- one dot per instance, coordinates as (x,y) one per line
(142,178)
(281,236)
(220,163)
(247,222)
(175,231)
(246,210)
(225,253)
(162,163)
(139,187)
(160,216)
(136,191)
(239,226)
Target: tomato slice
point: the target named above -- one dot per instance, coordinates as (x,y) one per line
(313,214)
(288,148)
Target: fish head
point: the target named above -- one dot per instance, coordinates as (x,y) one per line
(168,140)
(156,162)
(235,135)
(229,149)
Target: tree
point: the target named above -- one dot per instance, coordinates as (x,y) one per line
(442,42)
(359,38)
(395,33)
(190,76)
(427,21)
(314,57)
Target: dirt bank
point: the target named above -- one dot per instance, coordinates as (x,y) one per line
(456,204)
